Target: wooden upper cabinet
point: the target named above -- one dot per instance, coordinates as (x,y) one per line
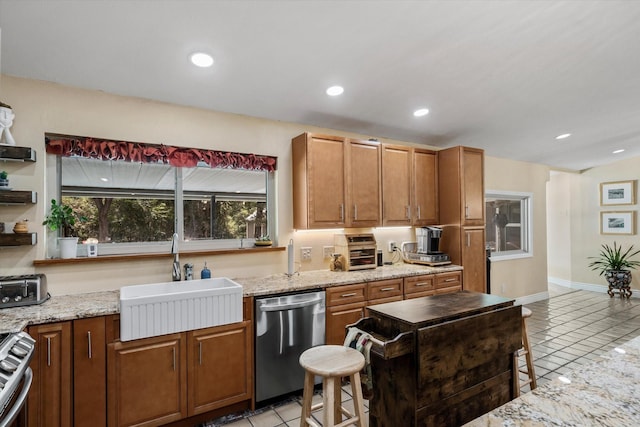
(319,197)
(461,186)
(396,185)
(363,184)
(425,187)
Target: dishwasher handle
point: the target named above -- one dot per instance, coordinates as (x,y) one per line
(290,306)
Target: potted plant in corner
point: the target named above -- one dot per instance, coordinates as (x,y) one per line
(616,265)
(62,217)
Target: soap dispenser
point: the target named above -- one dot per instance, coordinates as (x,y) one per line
(205,273)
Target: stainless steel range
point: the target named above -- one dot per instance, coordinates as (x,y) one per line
(16,351)
(23,290)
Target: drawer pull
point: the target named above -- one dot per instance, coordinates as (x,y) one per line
(352,294)
(89,354)
(451,280)
(422,284)
(387,289)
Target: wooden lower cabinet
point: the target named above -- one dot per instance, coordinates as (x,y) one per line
(432,284)
(344,306)
(147,381)
(49,402)
(89,372)
(220,367)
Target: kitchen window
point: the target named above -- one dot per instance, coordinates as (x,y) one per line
(135,207)
(508,226)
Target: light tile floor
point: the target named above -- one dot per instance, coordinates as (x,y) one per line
(569,329)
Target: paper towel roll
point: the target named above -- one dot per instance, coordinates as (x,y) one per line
(290,266)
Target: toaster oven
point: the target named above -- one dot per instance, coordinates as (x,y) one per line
(23,290)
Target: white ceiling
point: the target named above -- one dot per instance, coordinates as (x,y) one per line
(506,76)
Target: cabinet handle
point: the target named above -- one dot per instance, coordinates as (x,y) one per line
(352,294)
(355,212)
(468,239)
(408,212)
(466,211)
(89,343)
(174,358)
(451,280)
(387,289)
(200,352)
(48,351)
(423,284)
(419,216)
(341,212)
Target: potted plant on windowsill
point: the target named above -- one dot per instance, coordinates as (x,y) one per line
(62,218)
(263,241)
(616,265)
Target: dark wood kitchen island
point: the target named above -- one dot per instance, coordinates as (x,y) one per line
(441,360)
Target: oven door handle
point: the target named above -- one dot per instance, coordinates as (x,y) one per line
(13,412)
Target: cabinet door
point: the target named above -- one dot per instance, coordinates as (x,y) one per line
(473,186)
(49,401)
(474,260)
(89,372)
(396,185)
(220,367)
(318,181)
(425,187)
(339,317)
(363,184)
(147,381)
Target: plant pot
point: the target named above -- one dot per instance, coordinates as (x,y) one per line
(68,247)
(619,280)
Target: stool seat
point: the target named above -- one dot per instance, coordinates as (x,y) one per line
(526,312)
(332,362)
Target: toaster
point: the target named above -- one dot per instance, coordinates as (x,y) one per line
(23,290)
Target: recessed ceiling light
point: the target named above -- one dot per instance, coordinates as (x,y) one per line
(618,151)
(201,59)
(563,136)
(335,90)
(421,112)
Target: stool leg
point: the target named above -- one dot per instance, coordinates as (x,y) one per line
(329,401)
(358,403)
(337,394)
(307,396)
(516,375)
(529,355)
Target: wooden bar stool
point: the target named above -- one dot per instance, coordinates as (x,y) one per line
(526,352)
(332,362)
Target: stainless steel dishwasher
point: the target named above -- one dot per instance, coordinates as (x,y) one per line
(286,325)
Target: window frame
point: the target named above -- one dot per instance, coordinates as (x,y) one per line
(526,223)
(54,189)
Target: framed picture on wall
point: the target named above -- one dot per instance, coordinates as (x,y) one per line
(618,222)
(618,193)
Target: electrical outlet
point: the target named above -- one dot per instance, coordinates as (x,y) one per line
(305,253)
(392,246)
(327,251)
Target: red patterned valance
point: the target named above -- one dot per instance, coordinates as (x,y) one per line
(102,149)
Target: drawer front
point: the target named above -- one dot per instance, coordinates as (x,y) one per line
(419,294)
(447,280)
(448,290)
(346,294)
(384,289)
(416,284)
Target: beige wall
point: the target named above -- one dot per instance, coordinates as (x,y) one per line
(576,207)
(45,107)
(525,276)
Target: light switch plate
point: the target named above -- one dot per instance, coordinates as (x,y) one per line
(327,251)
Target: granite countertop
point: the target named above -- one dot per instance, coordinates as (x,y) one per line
(605,392)
(69,307)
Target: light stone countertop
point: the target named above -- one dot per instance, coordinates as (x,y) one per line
(605,392)
(69,307)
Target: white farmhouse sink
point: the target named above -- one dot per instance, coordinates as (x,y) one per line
(168,307)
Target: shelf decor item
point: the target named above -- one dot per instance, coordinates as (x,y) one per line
(622,223)
(615,264)
(62,218)
(6,120)
(618,193)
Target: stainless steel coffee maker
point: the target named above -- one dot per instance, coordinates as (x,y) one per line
(429,240)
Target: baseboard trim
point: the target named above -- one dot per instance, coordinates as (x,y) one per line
(586,286)
(528,299)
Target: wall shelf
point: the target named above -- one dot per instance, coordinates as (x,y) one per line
(18,239)
(17,154)
(14,197)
